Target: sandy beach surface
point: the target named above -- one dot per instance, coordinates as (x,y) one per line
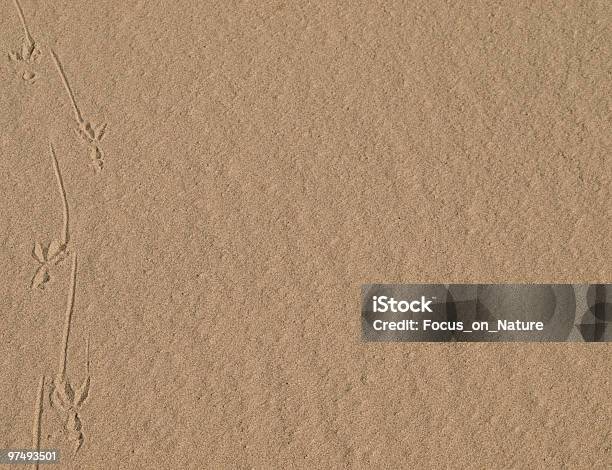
(194,193)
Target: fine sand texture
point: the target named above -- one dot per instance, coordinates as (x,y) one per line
(195,191)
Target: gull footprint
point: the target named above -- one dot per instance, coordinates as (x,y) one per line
(87,131)
(57,250)
(30,52)
(64,398)
(68,403)
(47,257)
(28,55)
(93,136)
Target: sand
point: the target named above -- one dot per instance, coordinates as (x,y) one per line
(260,162)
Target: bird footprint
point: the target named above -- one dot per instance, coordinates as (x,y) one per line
(68,403)
(29,53)
(93,136)
(47,257)
(28,56)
